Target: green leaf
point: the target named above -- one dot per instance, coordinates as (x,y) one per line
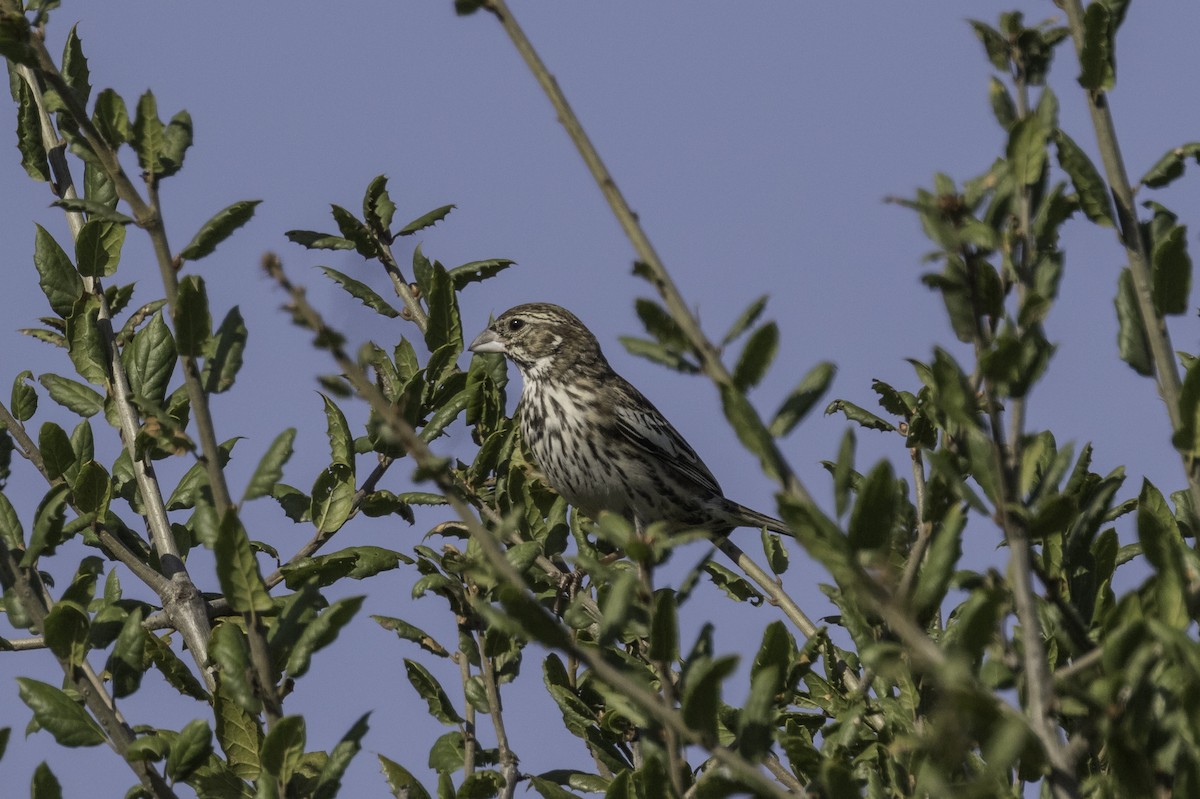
(477,271)
(749,429)
(148,141)
(237,568)
(378,207)
(745,320)
(173,669)
(1171,165)
(355,232)
(756,356)
(1164,548)
(320,632)
(14,39)
(994,44)
(84,345)
(219,228)
(24,401)
(664,627)
(56,713)
(1172,271)
(329,780)
(332,497)
(75,67)
(856,414)
(95,210)
(1027,150)
(702,694)
(1098,71)
(400,780)
(66,632)
(111,118)
(1003,107)
(149,360)
(1132,343)
(660,354)
(313,240)
(1187,438)
(283,748)
(193,323)
(29,133)
(875,510)
(223,354)
(440,706)
(190,750)
(57,453)
(47,524)
(72,395)
(802,399)
(412,633)
(92,489)
(361,292)
(127,660)
(427,220)
(270,468)
(1091,188)
(177,138)
(238,733)
(98,248)
(341,443)
(56,275)
(44,784)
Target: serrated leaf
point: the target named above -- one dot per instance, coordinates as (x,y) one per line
(29,134)
(216,230)
(237,569)
(223,355)
(193,322)
(270,467)
(859,415)
(56,275)
(238,733)
(95,210)
(341,443)
(361,292)
(75,67)
(66,632)
(56,713)
(378,207)
(313,240)
(477,271)
(1132,343)
(177,674)
(756,356)
(355,232)
(1091,188)
(1171,165)
(426,220)
(177,138)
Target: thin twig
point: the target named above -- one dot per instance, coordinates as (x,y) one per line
(916,554)
(508,758)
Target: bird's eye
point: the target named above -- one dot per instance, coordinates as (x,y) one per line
(516,324)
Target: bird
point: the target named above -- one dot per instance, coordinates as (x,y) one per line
(597,440)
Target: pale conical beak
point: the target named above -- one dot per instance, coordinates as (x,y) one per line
(487,341)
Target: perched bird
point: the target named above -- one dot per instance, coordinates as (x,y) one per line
(599,442)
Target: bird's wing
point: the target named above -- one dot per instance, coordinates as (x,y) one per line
(647,429)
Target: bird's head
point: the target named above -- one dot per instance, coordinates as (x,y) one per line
(543,340)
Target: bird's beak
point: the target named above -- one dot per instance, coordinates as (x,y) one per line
(487,341)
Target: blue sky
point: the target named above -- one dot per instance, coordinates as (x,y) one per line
(756,142)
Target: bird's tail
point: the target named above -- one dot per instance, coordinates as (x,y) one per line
(749,517)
